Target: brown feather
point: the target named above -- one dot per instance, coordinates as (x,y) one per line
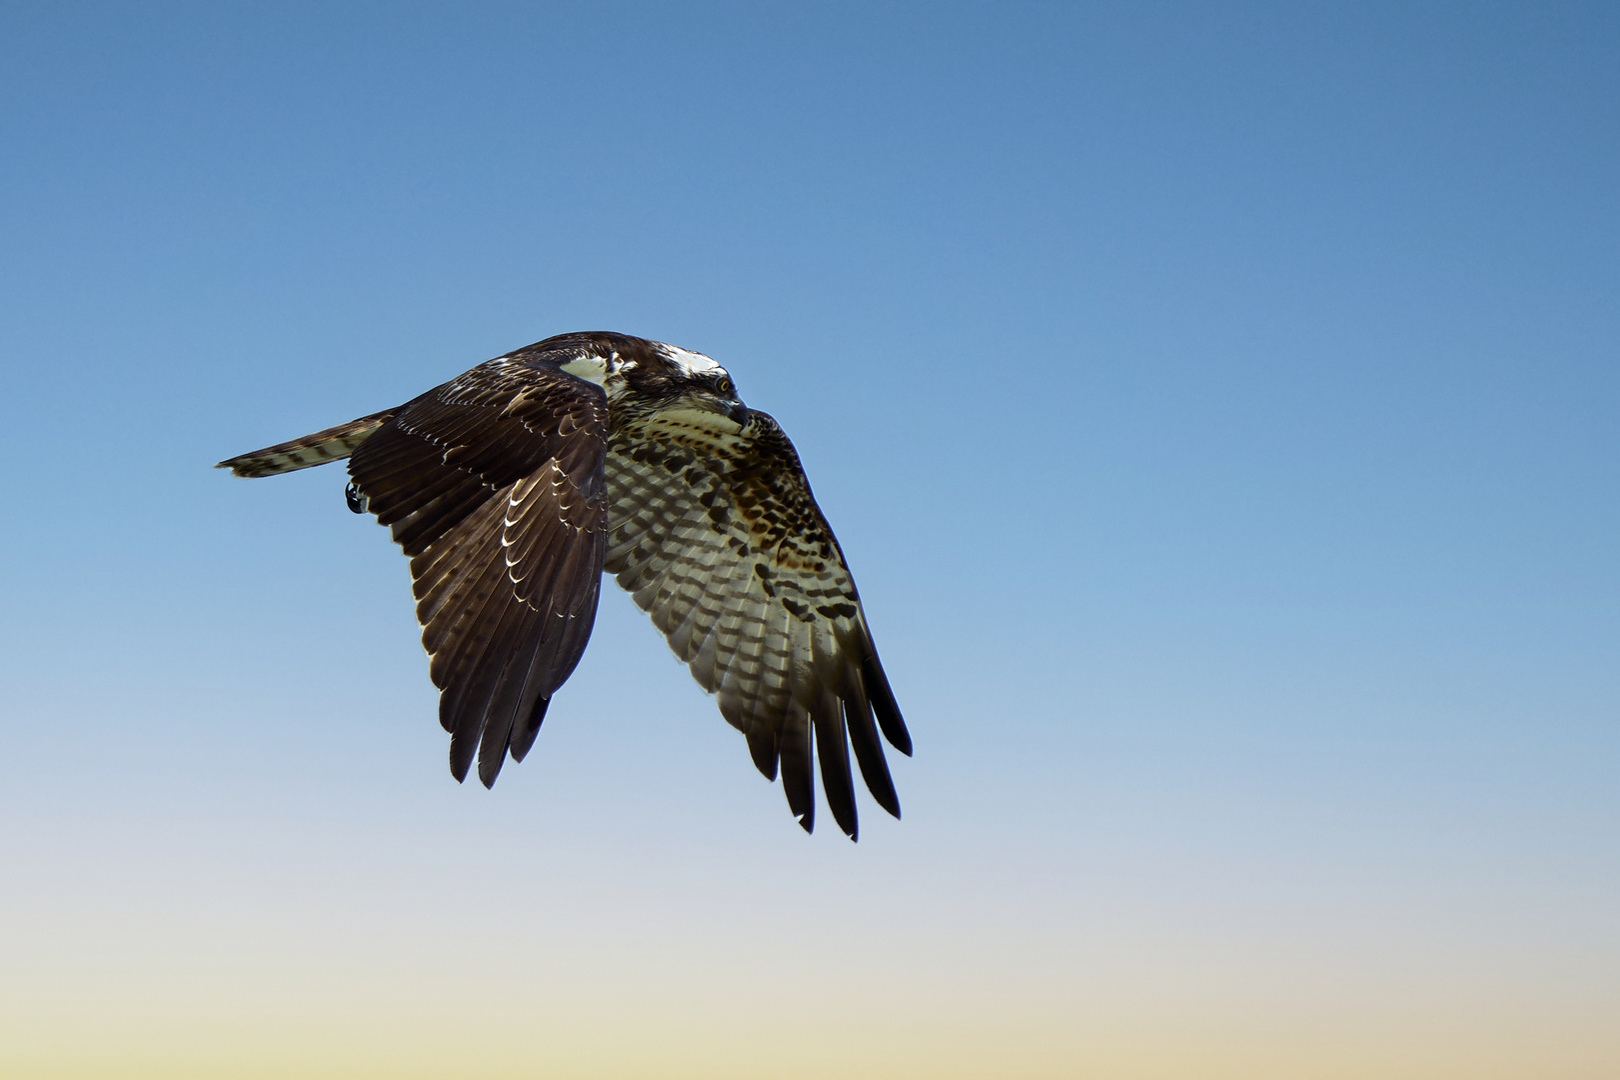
(493,484)
(717,537)
(333,444)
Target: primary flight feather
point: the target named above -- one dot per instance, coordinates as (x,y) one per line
(514,486)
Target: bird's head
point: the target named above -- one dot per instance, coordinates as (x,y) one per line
(652,379)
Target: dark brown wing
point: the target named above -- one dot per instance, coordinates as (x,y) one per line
(718,538)
(493,484)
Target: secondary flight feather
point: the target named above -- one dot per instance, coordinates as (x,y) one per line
(514,486)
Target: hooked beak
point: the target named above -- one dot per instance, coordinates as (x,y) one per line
(696,406)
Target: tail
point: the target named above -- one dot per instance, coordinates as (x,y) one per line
(333,444)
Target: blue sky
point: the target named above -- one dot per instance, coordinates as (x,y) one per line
(1217,407)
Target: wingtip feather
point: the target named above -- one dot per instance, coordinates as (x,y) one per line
(832,751)
(884,706)
(797,764)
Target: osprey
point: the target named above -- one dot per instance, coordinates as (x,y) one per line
(513,487)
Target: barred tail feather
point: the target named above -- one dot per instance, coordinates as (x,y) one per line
(333,444)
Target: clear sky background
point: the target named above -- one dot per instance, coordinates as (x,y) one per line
(1218,405)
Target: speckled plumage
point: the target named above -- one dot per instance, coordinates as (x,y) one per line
(513,486)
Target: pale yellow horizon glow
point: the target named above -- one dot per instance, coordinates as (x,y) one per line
(317,998)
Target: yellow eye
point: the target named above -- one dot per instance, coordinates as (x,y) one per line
(724,386)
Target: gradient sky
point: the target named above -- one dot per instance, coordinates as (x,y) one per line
(1218,406)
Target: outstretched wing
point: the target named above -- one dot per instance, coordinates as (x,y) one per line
(493,485)
(718,538)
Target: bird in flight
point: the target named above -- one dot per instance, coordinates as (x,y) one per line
(514,486)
